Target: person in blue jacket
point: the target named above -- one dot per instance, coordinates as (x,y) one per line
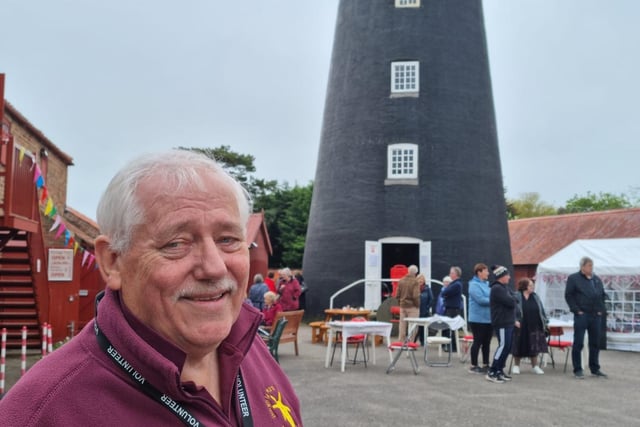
(480,317)
(452,296)
(426,300)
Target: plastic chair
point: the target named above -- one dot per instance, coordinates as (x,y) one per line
(357,340)
(438,340)
(555,341)
(274,339)
(407,345)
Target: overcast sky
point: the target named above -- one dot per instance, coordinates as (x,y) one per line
(106,81)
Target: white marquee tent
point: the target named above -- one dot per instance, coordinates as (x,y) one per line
(617,263)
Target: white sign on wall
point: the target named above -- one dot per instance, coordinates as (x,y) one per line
(60,265)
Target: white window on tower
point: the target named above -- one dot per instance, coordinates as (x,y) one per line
(402,164)
(407,3)
(405,78)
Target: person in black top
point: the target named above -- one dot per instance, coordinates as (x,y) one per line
(452,298)
(529,339)
(503,319)
(585,296)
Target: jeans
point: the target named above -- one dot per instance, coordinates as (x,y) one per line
(590,323)
(505,337)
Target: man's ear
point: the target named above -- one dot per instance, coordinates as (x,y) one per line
(108,262)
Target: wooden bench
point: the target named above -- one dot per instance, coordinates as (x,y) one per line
(318,332)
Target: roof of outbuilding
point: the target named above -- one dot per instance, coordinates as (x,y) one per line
(254,226)
(536,239)
(17,115)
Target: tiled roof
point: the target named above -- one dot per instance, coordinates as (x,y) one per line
(536,239)
(18,117)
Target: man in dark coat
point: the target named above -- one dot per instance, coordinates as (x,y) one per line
(585,296)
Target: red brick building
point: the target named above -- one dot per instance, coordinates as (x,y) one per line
(36,228)
(536,239)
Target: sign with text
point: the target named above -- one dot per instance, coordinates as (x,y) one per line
(60,265)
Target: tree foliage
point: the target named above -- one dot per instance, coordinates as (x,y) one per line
(529,205)
(286,208)
(596,202)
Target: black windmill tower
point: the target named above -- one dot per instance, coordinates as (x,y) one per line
(409,151)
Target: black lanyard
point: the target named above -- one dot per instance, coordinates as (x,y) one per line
(182,413)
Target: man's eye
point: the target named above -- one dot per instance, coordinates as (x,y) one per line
(230,243)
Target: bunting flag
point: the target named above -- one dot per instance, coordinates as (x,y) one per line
(61,230)
(56,223)
(45,194)
(37,173)
(49,207)
(50,210)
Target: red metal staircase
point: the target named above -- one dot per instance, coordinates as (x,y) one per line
(17,296)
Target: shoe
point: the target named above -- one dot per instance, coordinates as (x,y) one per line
(475,370)
(485,369)
(504,376)
(515,370)
(494,378)
(537,370)
(599,374)
(579,375)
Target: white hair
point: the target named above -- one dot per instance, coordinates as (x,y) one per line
(413,270)
(119,210)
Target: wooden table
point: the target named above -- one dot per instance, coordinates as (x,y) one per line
(345,313)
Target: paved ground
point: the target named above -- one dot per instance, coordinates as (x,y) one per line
(450,396)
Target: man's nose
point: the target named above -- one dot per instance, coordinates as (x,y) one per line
(211,263)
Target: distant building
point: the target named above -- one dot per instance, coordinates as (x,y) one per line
(408,169)
(36,225)
(533,240)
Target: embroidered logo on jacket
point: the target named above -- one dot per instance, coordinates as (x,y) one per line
(273,400)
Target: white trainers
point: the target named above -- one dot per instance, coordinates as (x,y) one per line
(537,370)
(515,370)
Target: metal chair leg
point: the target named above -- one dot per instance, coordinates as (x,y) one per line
(394,361)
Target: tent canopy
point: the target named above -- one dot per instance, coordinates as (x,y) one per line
(611,257)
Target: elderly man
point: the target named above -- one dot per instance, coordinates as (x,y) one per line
(452,300)
(408,295)
(585,297)
(172,342)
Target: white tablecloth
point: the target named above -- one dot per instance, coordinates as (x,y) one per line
(454,323)
(350,329)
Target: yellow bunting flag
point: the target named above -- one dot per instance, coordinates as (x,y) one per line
(49,207)
(21,155)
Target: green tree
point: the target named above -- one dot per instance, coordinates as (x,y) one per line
(239,166)
(287,215)
(596,202)
(529,205)
(286,209)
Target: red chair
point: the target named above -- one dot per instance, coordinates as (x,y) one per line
(555,341)
(407,345)
(358,340)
